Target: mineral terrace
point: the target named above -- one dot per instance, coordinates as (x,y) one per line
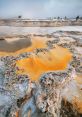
(41,74)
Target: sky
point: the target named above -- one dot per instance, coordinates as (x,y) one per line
(40,8)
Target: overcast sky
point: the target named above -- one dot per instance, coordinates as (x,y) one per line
(40,8)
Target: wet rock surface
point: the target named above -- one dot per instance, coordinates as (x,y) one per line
(48,97)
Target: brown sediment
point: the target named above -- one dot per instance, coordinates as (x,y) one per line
(55,59)
(14,44)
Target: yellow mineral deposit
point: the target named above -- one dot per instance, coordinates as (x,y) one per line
(56,59)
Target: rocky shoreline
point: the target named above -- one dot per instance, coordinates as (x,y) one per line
(40,23)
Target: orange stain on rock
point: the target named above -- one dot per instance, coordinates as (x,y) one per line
(78,78)
(77,104)
(56,59)
(77,101)
(17,114)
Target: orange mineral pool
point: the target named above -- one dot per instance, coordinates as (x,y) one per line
(37,64)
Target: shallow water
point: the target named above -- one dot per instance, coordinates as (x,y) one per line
(19,46)
(8,46)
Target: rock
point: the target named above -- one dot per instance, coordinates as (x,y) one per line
(2,70)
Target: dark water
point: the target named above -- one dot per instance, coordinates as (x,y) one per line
(15,45)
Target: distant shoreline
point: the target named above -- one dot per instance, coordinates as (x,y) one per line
(40,23)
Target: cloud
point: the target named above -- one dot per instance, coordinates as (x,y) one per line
(70,8)
(40,8)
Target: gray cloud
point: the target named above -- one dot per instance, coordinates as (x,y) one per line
(40,8)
